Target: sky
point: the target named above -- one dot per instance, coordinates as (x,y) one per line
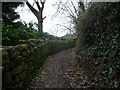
(50,23)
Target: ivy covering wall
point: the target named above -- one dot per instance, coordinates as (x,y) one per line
(98,43)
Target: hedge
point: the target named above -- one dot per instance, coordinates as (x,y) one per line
(98,45)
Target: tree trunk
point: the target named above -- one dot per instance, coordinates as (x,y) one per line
(38,14)
(40,25)
(40,21)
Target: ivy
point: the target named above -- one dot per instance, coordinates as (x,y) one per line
(101,36)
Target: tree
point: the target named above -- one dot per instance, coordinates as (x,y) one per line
(70,11)
(9,14)
(38,13)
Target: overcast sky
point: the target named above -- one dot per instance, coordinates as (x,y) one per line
(50,22)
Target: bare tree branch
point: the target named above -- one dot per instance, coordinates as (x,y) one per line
(32,9)
(69,10)
(44,17)
(64,28)
(74,7)
(42,3)
(39,13)
(38,5)
(40,0)
(58,4)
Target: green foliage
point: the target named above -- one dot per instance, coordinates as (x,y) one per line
(72,38)
(12,31)
(50,37)
(98,32)
(11,36)
(9,14)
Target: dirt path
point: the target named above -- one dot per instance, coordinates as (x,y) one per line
(62,72)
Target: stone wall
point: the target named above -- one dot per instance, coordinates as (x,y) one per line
(20,63)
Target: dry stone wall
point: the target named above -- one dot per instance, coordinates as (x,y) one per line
(20,63)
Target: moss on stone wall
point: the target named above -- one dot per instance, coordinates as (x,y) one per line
(21,62)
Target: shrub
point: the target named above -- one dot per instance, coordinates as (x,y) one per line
(98,33)
(11,36)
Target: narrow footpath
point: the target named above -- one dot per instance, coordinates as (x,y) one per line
(61,71)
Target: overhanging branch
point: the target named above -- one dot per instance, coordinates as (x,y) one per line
(32,9)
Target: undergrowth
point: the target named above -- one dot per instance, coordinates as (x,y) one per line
(98,36)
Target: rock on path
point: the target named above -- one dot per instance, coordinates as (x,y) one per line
(61,71)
